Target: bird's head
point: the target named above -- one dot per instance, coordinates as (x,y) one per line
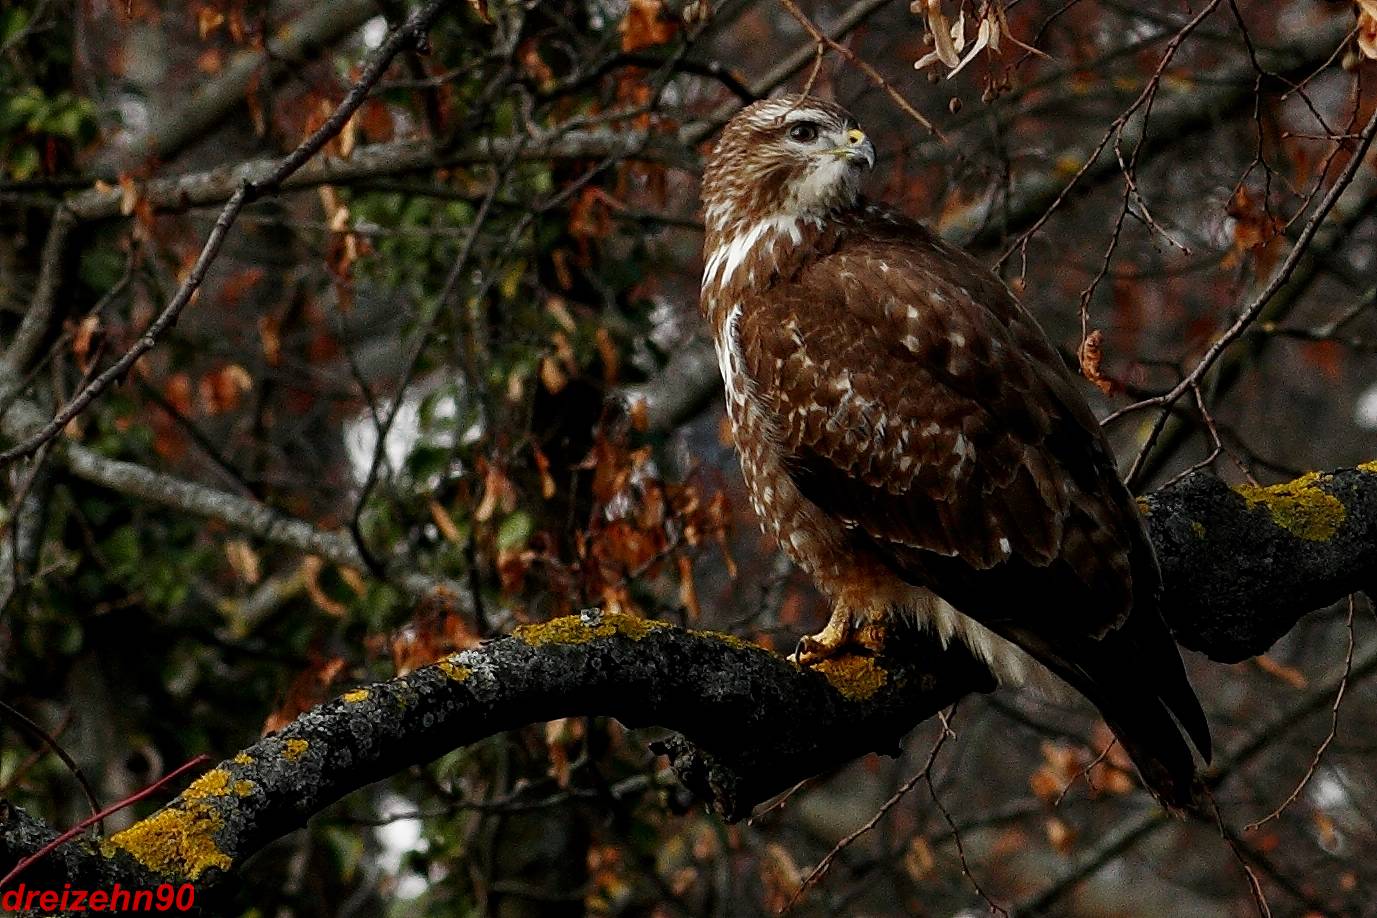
(792,156)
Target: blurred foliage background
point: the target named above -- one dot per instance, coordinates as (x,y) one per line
(473,353)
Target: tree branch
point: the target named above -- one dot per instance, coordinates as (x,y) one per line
(241,513)
(1241,566)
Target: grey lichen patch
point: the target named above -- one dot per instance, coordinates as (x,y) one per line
(1301,507)
(580,629)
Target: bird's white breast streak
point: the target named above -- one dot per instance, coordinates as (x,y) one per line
(731,253)
(729,360)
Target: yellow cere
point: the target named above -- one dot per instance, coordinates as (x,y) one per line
(1300,507)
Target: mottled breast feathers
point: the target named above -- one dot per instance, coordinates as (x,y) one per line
(916,401)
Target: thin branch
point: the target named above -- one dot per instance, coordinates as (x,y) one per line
(1329,737)
(825,864)
(871,74)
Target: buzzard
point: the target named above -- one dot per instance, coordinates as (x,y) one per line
(914,442)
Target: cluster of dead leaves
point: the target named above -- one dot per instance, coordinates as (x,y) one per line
(645,25)
(1063,765)
(215,392)
(1255,230)
(642,523)
(949,39)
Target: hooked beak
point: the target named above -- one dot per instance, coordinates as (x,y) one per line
(858,148)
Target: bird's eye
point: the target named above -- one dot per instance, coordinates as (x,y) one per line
(803,132)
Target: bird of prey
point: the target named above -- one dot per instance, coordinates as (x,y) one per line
(914,442)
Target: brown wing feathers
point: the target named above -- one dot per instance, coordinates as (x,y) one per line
(919,404)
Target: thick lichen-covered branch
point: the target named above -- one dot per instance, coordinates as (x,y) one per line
(1241,565)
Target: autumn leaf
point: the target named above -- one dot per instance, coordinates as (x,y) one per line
(688,593)
(1060,835)
(177,392)
(311,568)
(244,560)
(86,334)
(444,522)
(210,61)
(645,25)
(208,19)
(1090,355)
(480,9)
(129,194)
(310,687)
(1254,229)
(220,390)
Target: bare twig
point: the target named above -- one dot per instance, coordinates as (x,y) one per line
(925,772)
(1329,737)
(1258,304)
(870,72)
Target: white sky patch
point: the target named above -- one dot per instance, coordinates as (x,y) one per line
(397,839)
(374,31)
(361,433)
(1328,792)
(1365,411)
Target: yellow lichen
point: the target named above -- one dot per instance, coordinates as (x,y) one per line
(1300,507)
(243,758)
(1143,506)
(575,629)
(243,788)
(214,783)
(1368,467)
(1198,529)
(856,677)
(178,841)
(356,696)
(453,670)
(296,748)
(731,640)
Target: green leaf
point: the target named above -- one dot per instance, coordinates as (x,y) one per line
(25,162)
(514,531)
(12,21)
